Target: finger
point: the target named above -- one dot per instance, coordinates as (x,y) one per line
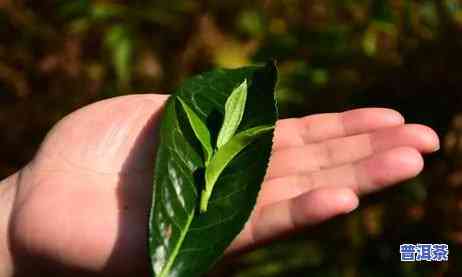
(365,176)
(335,152)
(314,128)
(287,216)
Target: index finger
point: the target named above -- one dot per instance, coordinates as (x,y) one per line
(294,132)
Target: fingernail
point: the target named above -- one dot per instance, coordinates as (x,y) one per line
(352,208)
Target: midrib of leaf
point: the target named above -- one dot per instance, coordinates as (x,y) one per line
(171,259)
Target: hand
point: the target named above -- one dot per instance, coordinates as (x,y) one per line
(81,205)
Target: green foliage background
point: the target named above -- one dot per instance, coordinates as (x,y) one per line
(56,56)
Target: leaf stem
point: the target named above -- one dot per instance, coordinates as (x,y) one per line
(205,196)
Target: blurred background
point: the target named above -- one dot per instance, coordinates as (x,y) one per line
(333,55)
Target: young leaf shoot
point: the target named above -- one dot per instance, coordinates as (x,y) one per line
(200,130)
(234,110)
(224,155)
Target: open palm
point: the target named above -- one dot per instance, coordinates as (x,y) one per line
(82,204)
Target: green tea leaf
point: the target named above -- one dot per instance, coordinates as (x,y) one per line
(200,130)
(224,155)
(182,241)
(234,110)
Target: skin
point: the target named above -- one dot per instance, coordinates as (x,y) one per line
(80,206)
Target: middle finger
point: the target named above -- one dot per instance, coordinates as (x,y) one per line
(339,151)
